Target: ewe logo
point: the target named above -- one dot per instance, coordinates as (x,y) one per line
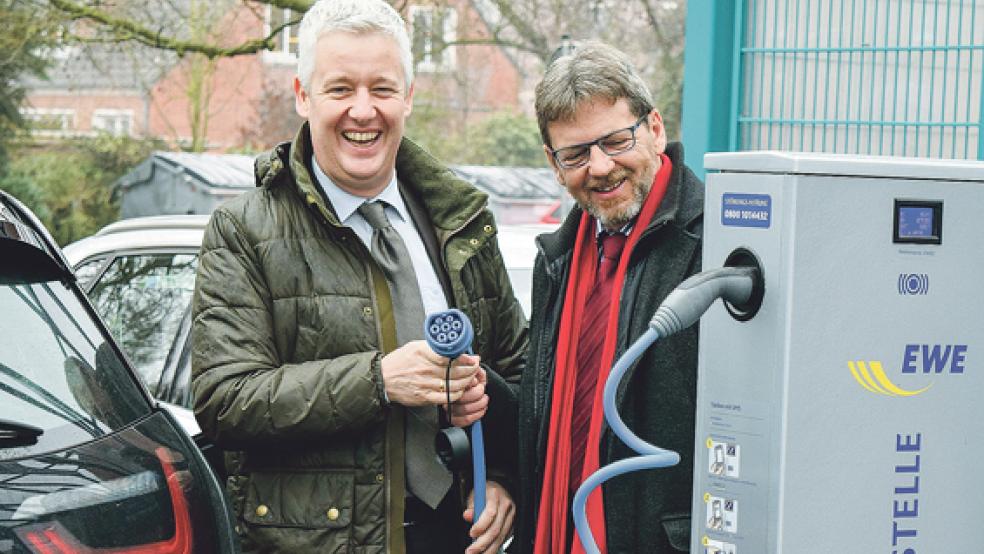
(928,359)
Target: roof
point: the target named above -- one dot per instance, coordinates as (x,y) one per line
(222,171)
(146,240)
(235,172)
(103,66)
(156,222)
(107,62)
(219,170)
(511,182)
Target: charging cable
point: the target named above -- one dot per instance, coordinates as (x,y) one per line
(450,333)
(681,309)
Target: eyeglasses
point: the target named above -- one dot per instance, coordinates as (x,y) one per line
(614,143)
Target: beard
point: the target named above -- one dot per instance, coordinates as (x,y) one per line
(615,217)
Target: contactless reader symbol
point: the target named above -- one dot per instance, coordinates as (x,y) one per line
(913,284)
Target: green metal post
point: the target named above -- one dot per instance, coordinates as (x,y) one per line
(708,79)
(736,75)
(980,116)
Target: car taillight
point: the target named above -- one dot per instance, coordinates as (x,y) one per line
(553,214)
(53,538)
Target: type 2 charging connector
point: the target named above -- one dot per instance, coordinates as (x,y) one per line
(450,333)
(684,306)
(741,286)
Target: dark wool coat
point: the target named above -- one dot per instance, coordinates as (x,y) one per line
(291,319)
(646,512)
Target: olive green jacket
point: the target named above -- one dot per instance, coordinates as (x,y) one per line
(291,319)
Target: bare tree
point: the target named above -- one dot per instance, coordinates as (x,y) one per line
(651,31)
(276,120)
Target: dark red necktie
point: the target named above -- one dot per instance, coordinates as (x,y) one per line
(590,341)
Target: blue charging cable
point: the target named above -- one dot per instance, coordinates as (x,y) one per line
(682,308)
(450,333)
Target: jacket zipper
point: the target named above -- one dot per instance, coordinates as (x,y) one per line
(540,396)
(316,208)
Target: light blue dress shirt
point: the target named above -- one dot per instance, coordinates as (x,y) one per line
(346,206)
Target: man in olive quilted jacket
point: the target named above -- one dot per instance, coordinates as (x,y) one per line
(307,364)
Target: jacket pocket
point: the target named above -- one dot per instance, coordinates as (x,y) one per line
(677,529)
(310,500)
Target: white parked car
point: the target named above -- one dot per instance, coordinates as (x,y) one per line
(140,275)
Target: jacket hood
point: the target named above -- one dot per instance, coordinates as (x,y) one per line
(681,205)
(449,201)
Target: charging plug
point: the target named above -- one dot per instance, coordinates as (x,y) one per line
(449,333)
(740,286)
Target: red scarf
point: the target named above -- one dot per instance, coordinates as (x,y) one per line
(551,524)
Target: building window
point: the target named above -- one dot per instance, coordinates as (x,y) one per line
(286,42)
(433,30)
(114,122)
(49,121)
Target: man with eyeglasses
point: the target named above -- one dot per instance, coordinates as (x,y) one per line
(634,236)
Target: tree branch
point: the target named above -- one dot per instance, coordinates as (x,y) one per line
(125,29)
(494,41)
(300,6)
(654,23)
(537,42)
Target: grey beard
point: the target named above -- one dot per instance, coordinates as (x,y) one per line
(617,220)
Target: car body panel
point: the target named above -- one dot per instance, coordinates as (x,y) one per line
(88,460)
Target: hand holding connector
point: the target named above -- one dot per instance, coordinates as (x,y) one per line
(450,334)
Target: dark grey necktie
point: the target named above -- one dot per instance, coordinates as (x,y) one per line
(427,478)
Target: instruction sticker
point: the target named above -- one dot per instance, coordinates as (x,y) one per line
(746,210)
(724,459)
(712,546)
(722,513)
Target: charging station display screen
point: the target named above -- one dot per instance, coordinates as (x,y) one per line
(918,222)
(915,221)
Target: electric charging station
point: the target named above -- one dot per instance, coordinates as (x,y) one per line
(846,415)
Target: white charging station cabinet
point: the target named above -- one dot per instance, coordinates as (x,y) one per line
(847,415)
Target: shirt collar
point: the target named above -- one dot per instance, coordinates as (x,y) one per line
(346,203)
(600,230)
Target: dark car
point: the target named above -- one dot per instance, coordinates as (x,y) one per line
(88,461)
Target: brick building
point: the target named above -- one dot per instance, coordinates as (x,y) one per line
(248,100)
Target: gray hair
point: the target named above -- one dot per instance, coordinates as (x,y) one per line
(592,70)
(354,16)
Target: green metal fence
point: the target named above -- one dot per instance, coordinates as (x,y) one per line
(887,77)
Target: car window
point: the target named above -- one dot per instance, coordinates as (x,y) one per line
(88,270)
(57,373)
(142,298)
